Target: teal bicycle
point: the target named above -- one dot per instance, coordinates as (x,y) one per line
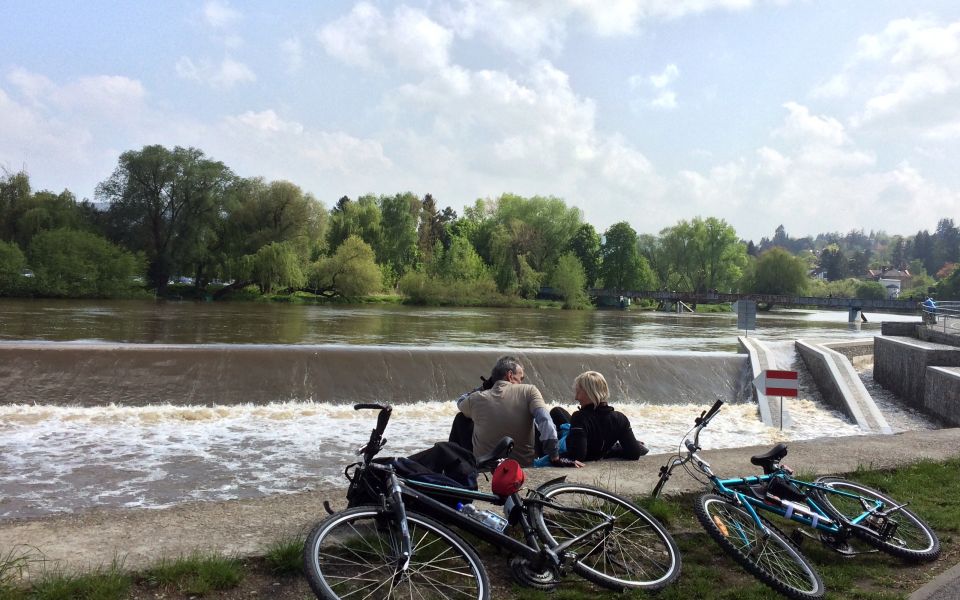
(834,508)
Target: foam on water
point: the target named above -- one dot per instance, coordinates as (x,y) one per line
(60,459)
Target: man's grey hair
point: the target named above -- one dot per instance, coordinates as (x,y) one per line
(504,365)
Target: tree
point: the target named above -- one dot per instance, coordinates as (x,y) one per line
(277,265)
(585,245)
(398,247)
(433,226)
(703,254)
(949,287)
(833,262)
(946,243)
(460,262)
(350,272)
(12,263)
(622,267)
(166,204)
(778,272)
(871,290)
(569,281)
(78,264)
(361,217)
(14,196)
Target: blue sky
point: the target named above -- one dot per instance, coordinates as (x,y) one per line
(821,116)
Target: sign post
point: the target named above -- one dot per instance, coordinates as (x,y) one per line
(778,383)
(746,315)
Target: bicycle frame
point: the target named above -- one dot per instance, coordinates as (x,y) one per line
(394,490)
(728,488)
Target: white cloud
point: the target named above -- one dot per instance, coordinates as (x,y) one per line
(659,84)
(219,14)
(804,127)
(348,38)
(226,74)
(907,76)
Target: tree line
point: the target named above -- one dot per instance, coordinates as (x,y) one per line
(170,215)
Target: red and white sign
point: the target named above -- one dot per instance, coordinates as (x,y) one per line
(778,383)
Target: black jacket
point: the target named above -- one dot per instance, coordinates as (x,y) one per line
(595,432)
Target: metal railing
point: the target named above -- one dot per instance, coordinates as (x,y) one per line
(945,316)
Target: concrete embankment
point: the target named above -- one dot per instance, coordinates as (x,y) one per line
(246,527)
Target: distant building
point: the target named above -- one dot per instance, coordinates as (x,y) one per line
(892,286)
(889,273)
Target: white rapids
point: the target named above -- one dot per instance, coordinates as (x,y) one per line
(62,459)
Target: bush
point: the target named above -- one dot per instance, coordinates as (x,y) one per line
(871,290)
(12,263)
(77,264)
(419,288)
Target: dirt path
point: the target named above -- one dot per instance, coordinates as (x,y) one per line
(246,527)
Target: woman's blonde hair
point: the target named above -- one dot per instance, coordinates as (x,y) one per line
(594,385)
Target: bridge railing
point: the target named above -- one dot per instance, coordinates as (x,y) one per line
(945,316)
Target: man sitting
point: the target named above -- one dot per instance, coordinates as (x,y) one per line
(508,407)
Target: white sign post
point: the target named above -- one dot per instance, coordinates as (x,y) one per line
(778,383)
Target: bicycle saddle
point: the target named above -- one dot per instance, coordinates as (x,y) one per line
(501,450)
(769,458)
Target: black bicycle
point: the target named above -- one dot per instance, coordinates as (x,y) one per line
(394,541)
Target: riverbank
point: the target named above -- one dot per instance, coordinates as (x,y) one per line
(244,528)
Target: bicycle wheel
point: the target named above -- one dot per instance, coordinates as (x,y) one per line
(637,553)
(356,554)
(911,538)
(773,560)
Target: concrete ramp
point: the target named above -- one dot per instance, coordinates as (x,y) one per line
(773,413)
(840,386)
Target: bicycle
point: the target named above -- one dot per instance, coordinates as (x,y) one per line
(836,509)
(394,539)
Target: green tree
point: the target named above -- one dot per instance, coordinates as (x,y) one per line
(78,264)
(569,281)
(949,287)
(622,267)
(14,199)
(398,247)
(585,245)
(460,262)
(277,265)
(834,262)
(871,290)
(166,204)
(12,263)
(350,272)
(777,271)
(703,254)
(361,217)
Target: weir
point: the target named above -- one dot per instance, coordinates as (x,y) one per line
(147,374)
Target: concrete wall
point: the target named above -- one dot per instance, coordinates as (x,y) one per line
(899,328)
(854,349)
(900,365)
(938,337)
(942,394)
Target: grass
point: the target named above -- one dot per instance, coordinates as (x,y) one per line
(197,574)
(931,488)
(285,556)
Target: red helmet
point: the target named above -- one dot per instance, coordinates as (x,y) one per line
(507,478)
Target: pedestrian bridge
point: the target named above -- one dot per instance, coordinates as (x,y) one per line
(855,306)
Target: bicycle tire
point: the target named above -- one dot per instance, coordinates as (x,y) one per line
(355,552)
(913,539)
(775,561)
(638,553)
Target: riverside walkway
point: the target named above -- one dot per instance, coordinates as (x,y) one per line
(141,537)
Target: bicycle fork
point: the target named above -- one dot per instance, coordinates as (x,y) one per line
(400,519)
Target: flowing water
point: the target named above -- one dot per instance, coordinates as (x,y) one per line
(110,446)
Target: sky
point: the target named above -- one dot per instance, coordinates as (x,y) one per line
(819,116)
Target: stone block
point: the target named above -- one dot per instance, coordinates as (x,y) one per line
(900,365)
(942,394)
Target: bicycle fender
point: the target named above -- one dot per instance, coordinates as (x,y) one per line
(560,479)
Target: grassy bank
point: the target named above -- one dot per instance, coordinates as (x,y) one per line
(932,489)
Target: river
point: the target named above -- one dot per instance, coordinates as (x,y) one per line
(65,456)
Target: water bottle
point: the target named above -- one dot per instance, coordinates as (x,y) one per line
(487,518)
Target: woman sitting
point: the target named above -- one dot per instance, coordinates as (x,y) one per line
(596,430)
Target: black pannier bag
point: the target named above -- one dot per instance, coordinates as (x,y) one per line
(445,463)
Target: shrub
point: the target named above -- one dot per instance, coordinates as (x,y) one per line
(77,264)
